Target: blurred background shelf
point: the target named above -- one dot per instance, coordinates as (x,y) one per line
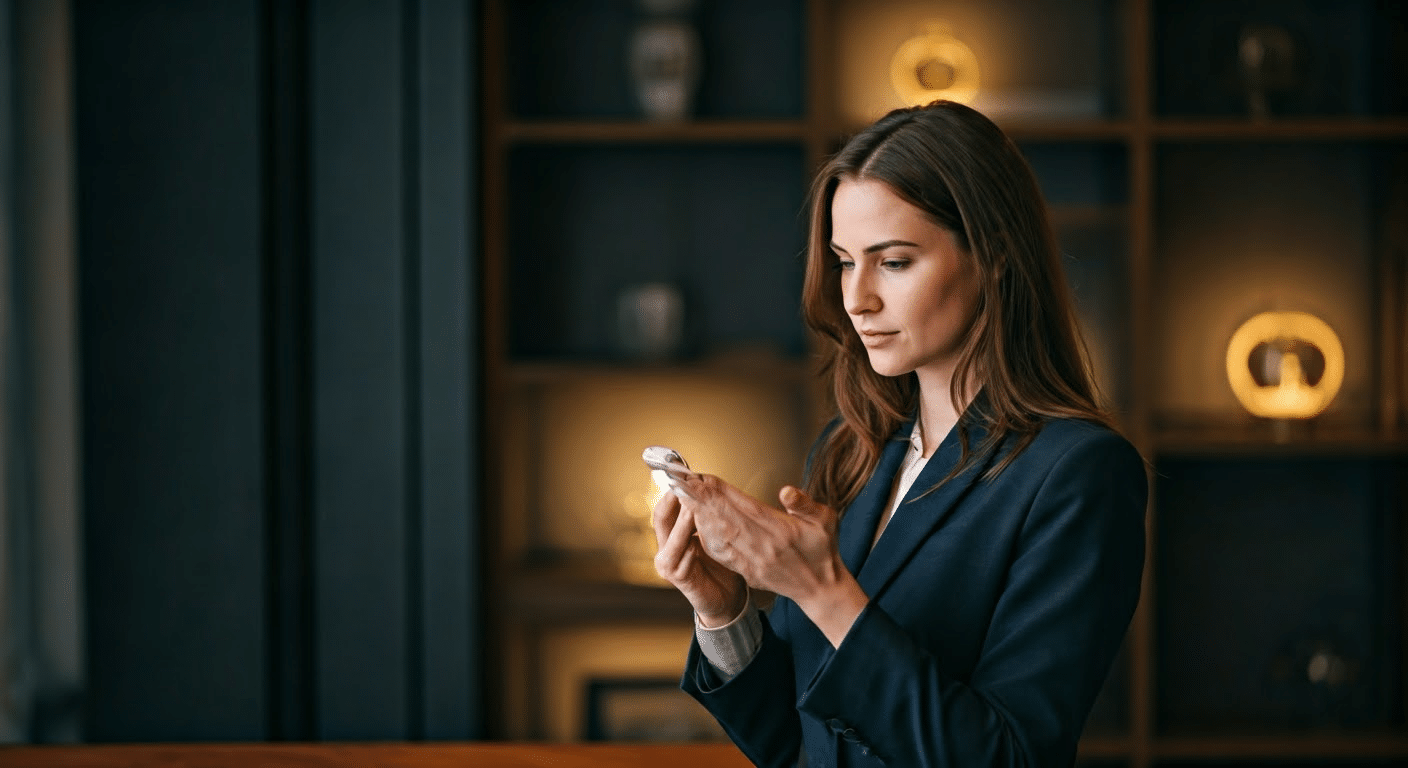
(1277,440)
(1281,129)
(589,132)
(1184,201)
(1305,747)
(590,590)
(764,364)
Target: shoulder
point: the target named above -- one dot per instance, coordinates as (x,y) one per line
(1060,436)
(1068,449)
(1081,481)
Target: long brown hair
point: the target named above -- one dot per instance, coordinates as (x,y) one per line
(1023,350)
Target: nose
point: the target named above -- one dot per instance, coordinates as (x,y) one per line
(858,291)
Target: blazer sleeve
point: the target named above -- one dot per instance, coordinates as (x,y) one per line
(757,707)
(1073,583)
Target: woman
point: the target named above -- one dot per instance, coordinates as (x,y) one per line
(966,607)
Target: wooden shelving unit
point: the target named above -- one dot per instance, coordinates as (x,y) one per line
(1132,142)
(586,132)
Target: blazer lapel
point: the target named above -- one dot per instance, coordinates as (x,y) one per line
(857,529)
(912,523)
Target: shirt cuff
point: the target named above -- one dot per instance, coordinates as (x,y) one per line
(729,648)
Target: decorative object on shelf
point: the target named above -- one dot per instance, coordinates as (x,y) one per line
(1267,59)
(934,65)
(665,59)
(1320,680)
(650,321)
(1285,365)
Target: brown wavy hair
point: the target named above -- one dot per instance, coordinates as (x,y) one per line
(1023,350)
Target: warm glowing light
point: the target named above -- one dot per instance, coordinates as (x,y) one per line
(934,65)
(738,427)
(1278,347)
(635,544)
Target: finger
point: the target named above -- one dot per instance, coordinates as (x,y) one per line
(797,502)
(803,507)
(671,556)
(663,517)
(696,485)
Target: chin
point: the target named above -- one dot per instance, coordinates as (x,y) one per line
(889,368)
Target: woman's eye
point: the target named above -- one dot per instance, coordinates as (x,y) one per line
(895,264)
(844,265)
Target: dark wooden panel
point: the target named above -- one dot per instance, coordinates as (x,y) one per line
(1266,564)
(449,395)
(288,409)
(360,427)
(167,106)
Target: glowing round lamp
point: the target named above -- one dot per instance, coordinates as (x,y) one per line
(934,65)
(1285,365)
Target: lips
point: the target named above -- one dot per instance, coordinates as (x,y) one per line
(873,338)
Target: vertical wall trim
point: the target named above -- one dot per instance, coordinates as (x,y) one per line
(357,218)
(44,166)
(285,317)
(473,396)
(17,652)
(450,555)
(411,309)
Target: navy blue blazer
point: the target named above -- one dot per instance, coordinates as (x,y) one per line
(996,609)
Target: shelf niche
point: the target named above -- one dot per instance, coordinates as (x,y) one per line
(1279,594)
(571,59)
(724,224)
(1255,227)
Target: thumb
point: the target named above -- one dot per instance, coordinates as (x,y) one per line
(798,503)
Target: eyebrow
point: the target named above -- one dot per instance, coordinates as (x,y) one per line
(878,246)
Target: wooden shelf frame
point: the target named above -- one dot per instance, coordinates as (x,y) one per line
(641,132)
(1281,129)
(1369,745)
(1140,131)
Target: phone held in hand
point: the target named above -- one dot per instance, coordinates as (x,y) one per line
(667,468)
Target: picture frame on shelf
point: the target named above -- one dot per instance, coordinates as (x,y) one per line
(645,710)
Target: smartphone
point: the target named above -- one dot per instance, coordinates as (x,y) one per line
(667,467)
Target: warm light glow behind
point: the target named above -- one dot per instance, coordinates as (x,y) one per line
(1036,58)
(1293,397)
(593,486)
(1248,230)
(935,48)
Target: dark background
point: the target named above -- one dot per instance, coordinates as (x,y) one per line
(277,314)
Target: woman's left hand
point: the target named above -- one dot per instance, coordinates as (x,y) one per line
(792,552)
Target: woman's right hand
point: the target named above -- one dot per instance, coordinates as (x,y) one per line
(717,594)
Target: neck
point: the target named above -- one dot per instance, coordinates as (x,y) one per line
(937,411)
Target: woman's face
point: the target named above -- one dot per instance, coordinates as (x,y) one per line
(908,287)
